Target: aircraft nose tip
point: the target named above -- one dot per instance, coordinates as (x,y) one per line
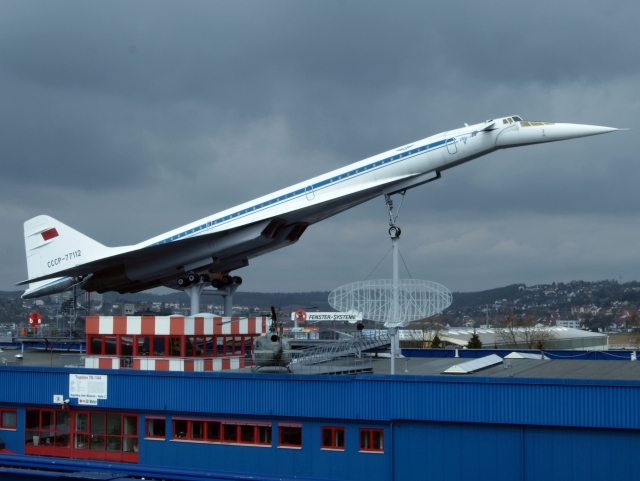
(574,131)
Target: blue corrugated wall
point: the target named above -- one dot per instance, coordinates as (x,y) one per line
(446,451)
(435,427)
(580,403)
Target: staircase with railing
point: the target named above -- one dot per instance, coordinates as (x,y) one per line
(354,346)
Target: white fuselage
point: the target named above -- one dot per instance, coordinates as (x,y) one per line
(372,175)
(241,232)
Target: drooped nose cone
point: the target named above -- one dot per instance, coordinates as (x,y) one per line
(525,133)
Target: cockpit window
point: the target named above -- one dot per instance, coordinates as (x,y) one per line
(504,121)
(516,118)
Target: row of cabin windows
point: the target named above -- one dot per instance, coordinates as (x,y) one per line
(172,346)
(8,418)
(259,433)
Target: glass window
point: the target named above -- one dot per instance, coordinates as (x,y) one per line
(126,346)
(156,428)
(97,423)
(82,422)
(95,431)
(143,345)
(371,440)
(114,424)
(230,433)
(208,346)
(378,437)
(97,442)
(114,443)
(96,345)
(333,438)
(110,345)
(291,436)
(213,431)
(327,440)
(180,429)
(365,439)
(33,419)
(199,348)
(264,434)
(47,420)
(63,421)
(197,429)
(189,344)
(174,346)
(81,441)
(130,445)
(247,434)
(159,346)
(8,419)
(131,425)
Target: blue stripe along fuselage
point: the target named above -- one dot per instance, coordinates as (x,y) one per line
(378,164)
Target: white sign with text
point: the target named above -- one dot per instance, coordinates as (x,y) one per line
(87,387)
(332,316)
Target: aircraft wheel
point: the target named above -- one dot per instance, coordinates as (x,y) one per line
(237,280)
(226,279)
(216,283)
(193,278)
(183,282)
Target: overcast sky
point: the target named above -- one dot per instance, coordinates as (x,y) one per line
(128,119)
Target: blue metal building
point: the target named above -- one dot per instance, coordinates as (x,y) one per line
(363,427)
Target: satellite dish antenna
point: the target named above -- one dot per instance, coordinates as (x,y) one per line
(417,299)
(395,302)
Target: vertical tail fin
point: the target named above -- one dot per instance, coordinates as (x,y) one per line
(53,246)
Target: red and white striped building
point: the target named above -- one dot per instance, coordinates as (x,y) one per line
(171,343)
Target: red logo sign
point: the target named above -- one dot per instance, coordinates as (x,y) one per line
(35,318)
(301,316)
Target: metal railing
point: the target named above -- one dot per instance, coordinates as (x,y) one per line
(49,333)
(342,365)
(71,360)
(328,352)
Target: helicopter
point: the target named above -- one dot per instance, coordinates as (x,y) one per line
(272,349)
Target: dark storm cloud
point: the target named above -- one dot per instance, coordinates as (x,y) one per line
(127,119)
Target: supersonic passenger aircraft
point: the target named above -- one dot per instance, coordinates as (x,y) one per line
(59,257)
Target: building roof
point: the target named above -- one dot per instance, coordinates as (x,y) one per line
(491,337)
(520,368)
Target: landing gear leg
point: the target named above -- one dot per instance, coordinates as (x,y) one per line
(194,291)
(226,286)
(227,295)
